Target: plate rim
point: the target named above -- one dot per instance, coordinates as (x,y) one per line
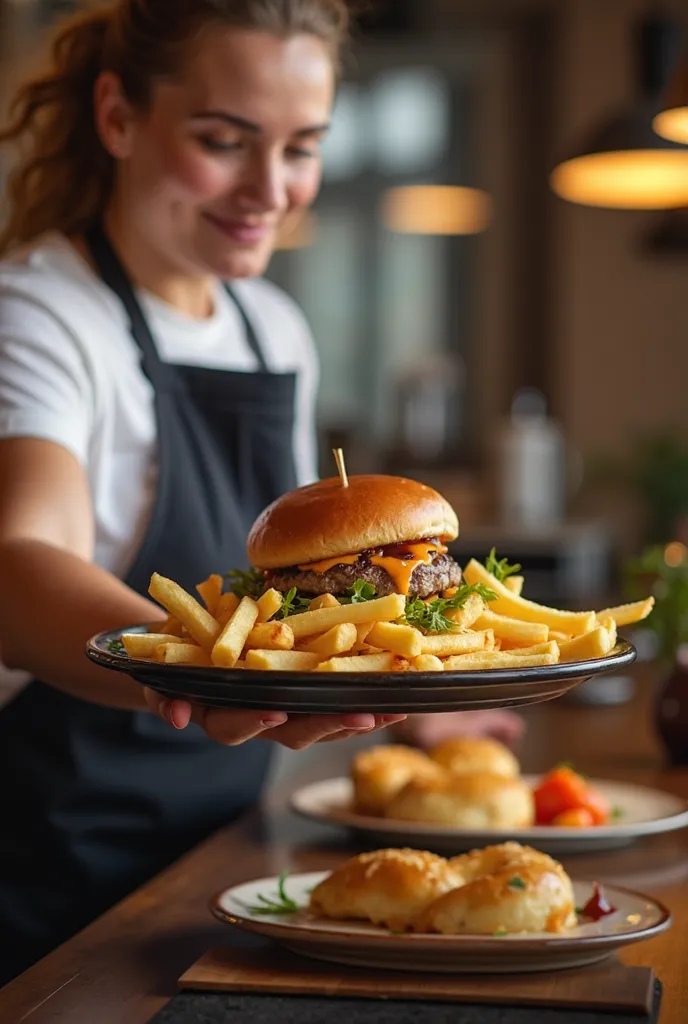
(557,942)
(432,830)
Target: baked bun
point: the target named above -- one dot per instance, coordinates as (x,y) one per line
(480,801)
(476,754)
(325,519)
(387,887)
(380,772)
(513,890)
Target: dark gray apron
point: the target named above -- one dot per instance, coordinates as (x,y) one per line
(94,801)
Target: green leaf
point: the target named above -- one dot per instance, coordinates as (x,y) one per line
(580,911)
(278,903)
(617,813)
(246,583)
(516,883)
(293,604)
(116,647)
(500,568)
(500,931)
(432,617)
(359,593)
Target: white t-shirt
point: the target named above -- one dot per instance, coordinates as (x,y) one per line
(70,373)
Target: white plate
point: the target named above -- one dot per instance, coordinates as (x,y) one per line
(636,918)
(644,812)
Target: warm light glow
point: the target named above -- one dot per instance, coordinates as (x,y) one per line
(436,210)
(643,179)
(675,554)
(298,234)
(673,124)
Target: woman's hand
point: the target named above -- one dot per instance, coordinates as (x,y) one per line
(297,732)
(428,731)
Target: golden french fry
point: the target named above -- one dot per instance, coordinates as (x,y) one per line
(231,641)
(337,640)
(144,645)
(383,609)
(628,614)
(560,638)
(183,654)
(514,584)
(323,601)
(517,607)
(362,631)
(595,644)
(496,660)
(281,661)
(198,621)
(171,626)
(269,604)
(406,641)
(226,607)
(271,636)
(466,617)
(520,634)
(610,625)
(210,590)
(427,663)
(549,647)
(383,662)
(445,644)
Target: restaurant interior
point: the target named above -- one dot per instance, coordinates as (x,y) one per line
(495,274)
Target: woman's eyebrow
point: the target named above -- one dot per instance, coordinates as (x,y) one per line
(251,126)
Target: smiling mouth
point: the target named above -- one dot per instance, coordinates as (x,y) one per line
(241,231)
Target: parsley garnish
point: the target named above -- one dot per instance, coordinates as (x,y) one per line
(580,911)
(280,903)
(432,618)
(617,813)
(499,567)
(250,583)
(293,604)
(116,647)
(516,883)
(500,931)
(359,593)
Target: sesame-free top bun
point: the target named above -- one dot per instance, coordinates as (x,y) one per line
(325,519)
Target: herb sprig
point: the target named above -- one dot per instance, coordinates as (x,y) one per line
(499,567)
(293,604)
(246,582)
(280,903)
(516,883)
(359,593)
(432,617)
(116,647)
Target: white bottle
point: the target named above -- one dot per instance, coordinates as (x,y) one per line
(531,465)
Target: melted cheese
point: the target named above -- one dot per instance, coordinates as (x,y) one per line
(400,569)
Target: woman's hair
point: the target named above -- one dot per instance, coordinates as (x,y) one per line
(64,175)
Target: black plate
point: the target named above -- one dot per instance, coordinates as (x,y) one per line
(377,692)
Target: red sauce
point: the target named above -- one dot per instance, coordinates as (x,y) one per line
(598,905)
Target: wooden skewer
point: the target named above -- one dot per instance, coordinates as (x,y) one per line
(341,466)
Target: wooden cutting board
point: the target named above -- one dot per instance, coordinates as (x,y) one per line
(609,986)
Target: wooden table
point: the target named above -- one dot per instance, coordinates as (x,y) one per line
(123,968)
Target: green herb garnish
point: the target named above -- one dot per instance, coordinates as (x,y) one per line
(566,764)
(516,883)
(432,617)
(500,932)
(580,911)
(617,813)
(359,593)
(293,604)
(246,583)
(499,567)
(280,903)
(116,647)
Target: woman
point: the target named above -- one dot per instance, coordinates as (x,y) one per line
(147,414)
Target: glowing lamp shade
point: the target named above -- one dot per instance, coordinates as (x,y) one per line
(672,121)
(436,210)
(625,166)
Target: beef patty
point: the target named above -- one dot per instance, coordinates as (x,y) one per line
(426,580)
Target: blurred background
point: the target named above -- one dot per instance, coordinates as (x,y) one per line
(496,275)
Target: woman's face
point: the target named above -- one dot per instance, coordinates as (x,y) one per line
(227,150)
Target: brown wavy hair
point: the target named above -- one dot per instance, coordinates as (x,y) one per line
(64,175)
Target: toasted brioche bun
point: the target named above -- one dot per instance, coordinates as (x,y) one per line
(325,519)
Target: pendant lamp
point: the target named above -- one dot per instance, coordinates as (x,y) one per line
(623,164)
(672,120)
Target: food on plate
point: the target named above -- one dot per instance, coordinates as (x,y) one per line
(566,798)
(507,889)
(380,772)
(387,887)
(470,754)
(477,801)
(520,891)
(353,574)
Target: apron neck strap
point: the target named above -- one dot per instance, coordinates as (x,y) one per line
(114,275)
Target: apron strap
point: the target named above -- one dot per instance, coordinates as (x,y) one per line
(116,278)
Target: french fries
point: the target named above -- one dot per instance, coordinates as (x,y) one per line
(369,636)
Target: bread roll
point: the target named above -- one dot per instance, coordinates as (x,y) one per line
(473,755)
(465,801)
(380,772)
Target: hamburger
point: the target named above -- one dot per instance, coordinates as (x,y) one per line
(386,531)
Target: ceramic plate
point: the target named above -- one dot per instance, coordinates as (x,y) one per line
(636,917)
(641,812)
(376,692)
